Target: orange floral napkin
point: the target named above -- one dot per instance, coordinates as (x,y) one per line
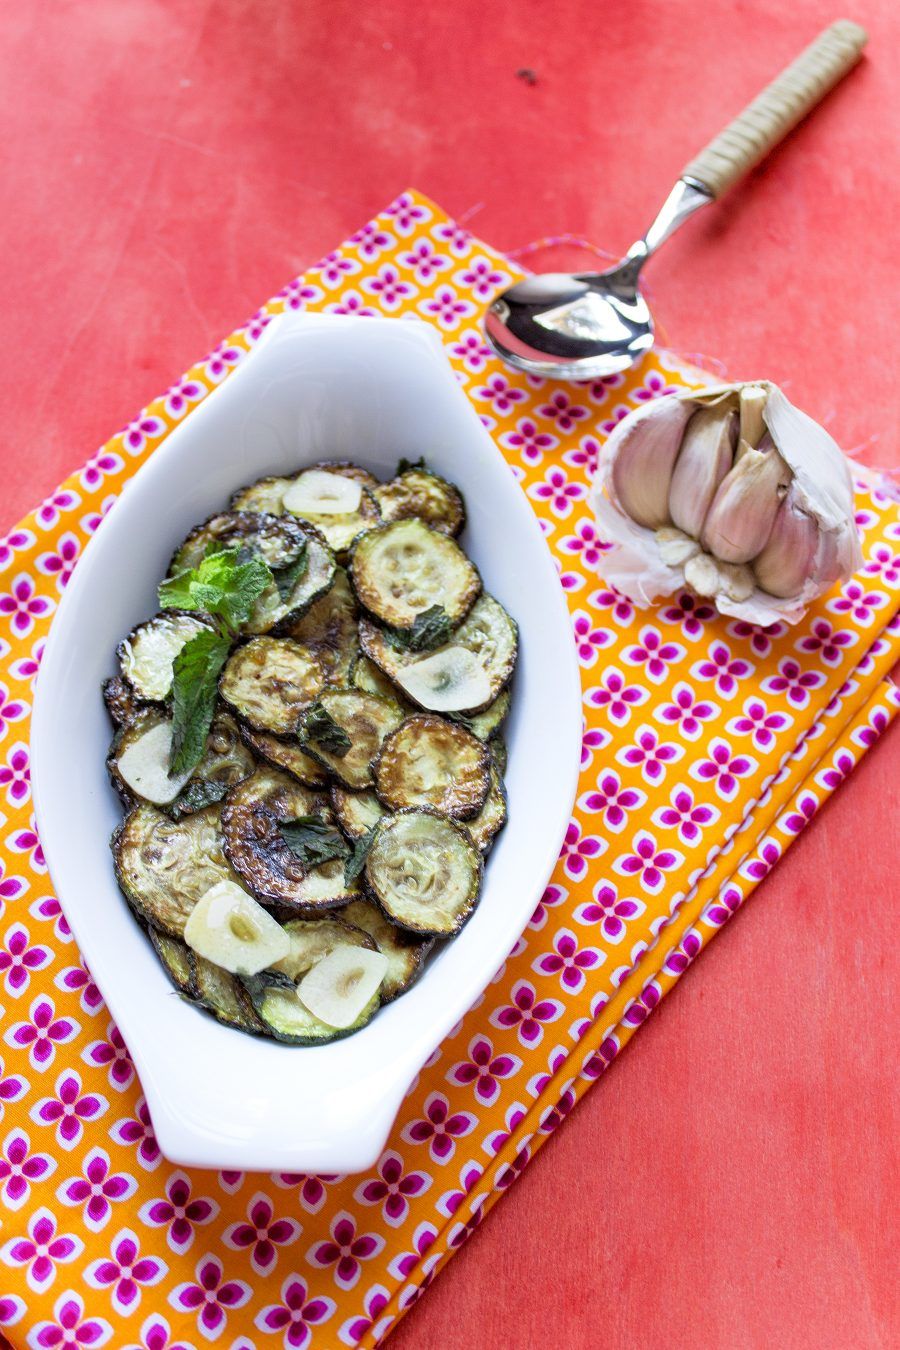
(708,745)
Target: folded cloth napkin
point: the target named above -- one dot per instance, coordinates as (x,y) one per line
(708,745)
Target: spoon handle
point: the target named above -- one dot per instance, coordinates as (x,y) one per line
(780,106)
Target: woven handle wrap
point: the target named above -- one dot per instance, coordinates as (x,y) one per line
(779,107)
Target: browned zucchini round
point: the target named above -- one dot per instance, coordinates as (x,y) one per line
(404,951)
(284,602)
(176,959)
(165,866)
(269,681)
(400,571)
(311,939)
(347,469)
(285,754)
(492,817)
(329,628)
(222,994)
(120,701)
(357,812)
(286,1019)
(424,871)
(277,539)
(225,761)
(485,724)
(365,720)
(266,494)
(429,761)
(147,654)
(422,494)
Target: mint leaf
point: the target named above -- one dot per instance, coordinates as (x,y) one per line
(194,688)
(313,840)
(432,628)
(321,727)
(404,465)
(248,581)
(356,861)
(196,794)
(286,577)
(224,584)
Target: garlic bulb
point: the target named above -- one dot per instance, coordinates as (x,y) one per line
(732,491)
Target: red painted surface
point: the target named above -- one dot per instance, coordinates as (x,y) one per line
(168,164)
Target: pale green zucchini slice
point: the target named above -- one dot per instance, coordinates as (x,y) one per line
(120,701)
(311,939)
(224,995)
(405,953)
(338,530)
(329,627)
(424,871)
(225,761)
(176,959)
(285,754)
(269,681)
(499,752)
(164,866)
(284,602)
(267,494)
(286,1018)
(429,761)
(422,494)
(403,570)
(365,719)
(278,540)
(488,633)
(357,812)
(492,816)
(485,724)
(147,654)
(366,676)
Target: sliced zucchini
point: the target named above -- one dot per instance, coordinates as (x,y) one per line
(429,761)
(348,469)
(342,984)
(423,495)
(424,871)
(405,953)
(120,701)
(146,655)
(365,675)
(266,494)
(499,752)
(228,927)
(357,812)
(287,755)
(365,718)
(269,681)
(492,816)
(226,760)
(286,1018)
(164,866)
(488,632)
(175,957)
(403,569)
(485,724)
(311,939)
(277,539)
(340,532)
(225,997)
(138,761)
(258,852)
(279,607)
(329,627)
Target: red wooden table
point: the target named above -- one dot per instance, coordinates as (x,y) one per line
(171,163)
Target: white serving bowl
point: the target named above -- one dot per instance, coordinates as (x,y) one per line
(315,387)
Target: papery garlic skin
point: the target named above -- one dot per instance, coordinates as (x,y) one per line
(800,554)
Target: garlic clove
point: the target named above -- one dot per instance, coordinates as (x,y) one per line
(743,511)
(645,456)
(675,547)
(786,563)
(753,398)
(702,574)
(707,452)
(736,581)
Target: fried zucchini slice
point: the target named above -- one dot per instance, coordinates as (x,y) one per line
(164,866)
(488,633)
(147,653)
(403,569)
(251,819)
(424,871)
(338,530)
(176,959)
(138,760)
(329,627)
(224,995)
(311,939)
(429,761)
(286,1018)
(499,752)
(265,495)
(278,540)
(366,676)
(119,700)
(424,495)
(485,724)
(365,718)
(226,760)
(347,469)
(405,953)
(269,681)
(357,812)
(276,611)
(287,755)
(492,817)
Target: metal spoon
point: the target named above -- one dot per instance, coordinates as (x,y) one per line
(583,325)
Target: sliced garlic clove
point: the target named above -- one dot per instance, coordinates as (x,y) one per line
(743,511)
(707,453)
(317,492)
(449,680)
(644,453)
(229,928)
(144,766)
(339,986)
(675,547)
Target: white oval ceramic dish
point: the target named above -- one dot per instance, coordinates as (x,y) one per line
(315,387)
